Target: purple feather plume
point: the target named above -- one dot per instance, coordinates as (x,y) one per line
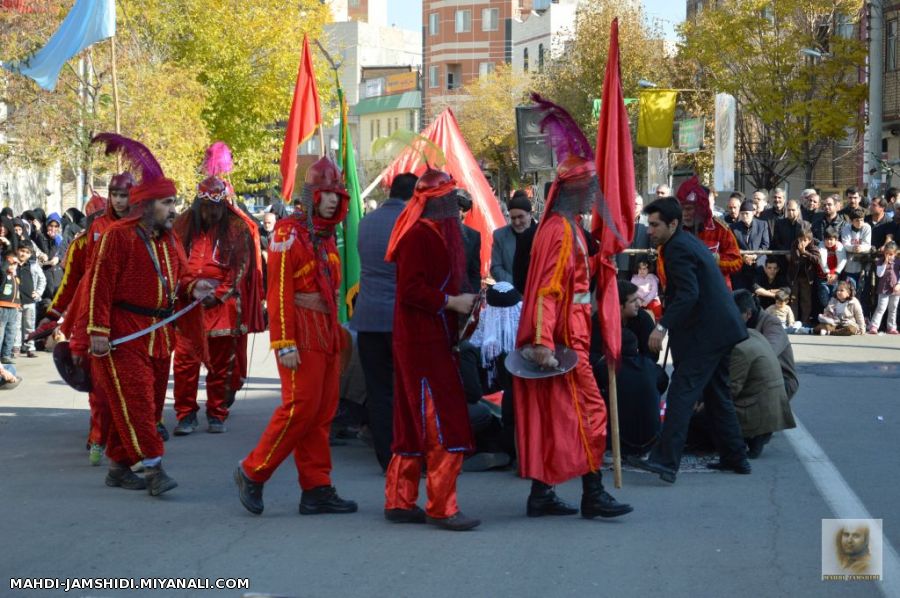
(218,159)
(136,153)
(566,136)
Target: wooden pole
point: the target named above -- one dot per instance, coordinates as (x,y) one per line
(614,425)
(322,140)
(116,106)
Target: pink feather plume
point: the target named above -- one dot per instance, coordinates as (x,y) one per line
(218,159)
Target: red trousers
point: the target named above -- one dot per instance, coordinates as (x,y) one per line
(301,424)
(135,384)
(101,419)
(225,372)
(402,482)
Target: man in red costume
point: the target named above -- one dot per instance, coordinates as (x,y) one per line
(715,234)
(304,282)
(561,420)
(78,261)
(132,284)
(431,421)
(220,248)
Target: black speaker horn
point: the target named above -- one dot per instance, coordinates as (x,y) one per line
(535,150)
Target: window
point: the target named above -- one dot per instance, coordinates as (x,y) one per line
(452,83)
(485,69)
(490,19)
(396,123)
(434,23)
(354,3)
(540,58)
(378,128)
(454,76)
(389,127)
(890,46)
(434,76)
(463,21)
(525,60)
(372,130)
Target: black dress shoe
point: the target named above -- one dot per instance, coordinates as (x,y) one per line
(324,499)
(597,502)
(249,492)
(544,501)
(414,515)
(742,467)
(666,474)
(121,476)
(455,523)
(158,481)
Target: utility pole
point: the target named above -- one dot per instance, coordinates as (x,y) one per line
(876,86)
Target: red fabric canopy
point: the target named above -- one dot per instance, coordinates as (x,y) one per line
(485,215)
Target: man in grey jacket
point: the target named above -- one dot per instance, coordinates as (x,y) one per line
(373,317)
(503,251)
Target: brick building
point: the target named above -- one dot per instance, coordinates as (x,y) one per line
(461,40)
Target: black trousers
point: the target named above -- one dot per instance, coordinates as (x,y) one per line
(700,377)
(377,359)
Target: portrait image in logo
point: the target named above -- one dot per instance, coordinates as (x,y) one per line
(851,550)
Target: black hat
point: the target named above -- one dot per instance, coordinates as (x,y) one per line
(519,201)
(748,206)
(503,294)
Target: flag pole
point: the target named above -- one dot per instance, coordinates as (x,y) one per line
(116,106)
(614,425)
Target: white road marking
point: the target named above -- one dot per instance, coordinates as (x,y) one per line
(841,499)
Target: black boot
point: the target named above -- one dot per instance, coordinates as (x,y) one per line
(158,481)
(324,499)
(455,523)
(756,444)
(543,501)
(597,501)
(121,476)
(249,492)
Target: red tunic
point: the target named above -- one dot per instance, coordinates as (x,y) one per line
(293,268)
(560,421)
(123,272)
(203,262)
(424,338)
(78,262)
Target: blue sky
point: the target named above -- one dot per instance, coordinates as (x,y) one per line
(408,13)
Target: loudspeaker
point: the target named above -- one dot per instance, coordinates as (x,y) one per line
(535,150)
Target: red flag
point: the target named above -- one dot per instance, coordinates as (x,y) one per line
(485,215)
(615,169)
(306,115)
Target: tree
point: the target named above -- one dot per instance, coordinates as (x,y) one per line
(574,79)
(791,108)
(245,56)
(487,120)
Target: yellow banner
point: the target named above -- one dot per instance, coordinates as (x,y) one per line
(657,117)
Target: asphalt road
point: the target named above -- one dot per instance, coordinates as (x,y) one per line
(711,534)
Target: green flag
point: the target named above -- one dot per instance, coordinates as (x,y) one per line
(348,233)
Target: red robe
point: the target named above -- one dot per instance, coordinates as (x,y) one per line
(134,375)
(424,336)
(720,240)
(560,421)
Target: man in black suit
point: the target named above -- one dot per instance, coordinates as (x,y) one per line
(704,325)
(472,244)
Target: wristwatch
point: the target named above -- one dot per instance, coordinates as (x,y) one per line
(661,329)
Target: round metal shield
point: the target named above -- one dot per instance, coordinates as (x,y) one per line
(518,365)
(75,376)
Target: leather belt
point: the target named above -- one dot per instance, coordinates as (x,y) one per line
(311,301)
(144,311)
(581,298)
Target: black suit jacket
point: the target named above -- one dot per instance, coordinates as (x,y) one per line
(785,233)
(700,313)
(472,242)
